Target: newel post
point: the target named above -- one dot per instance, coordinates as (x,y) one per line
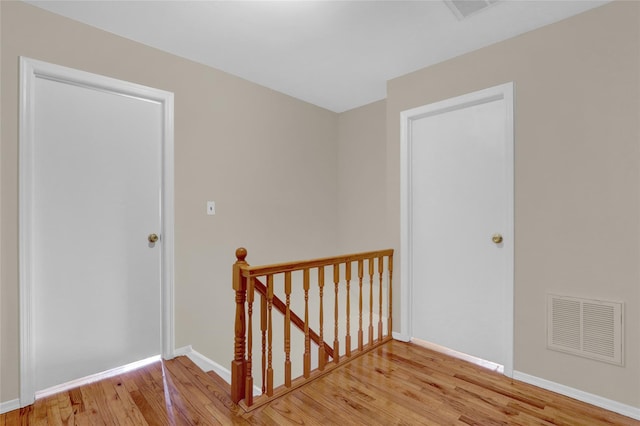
(238,365)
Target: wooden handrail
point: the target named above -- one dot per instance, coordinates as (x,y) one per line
(295,319)
(246,282)
(276,268)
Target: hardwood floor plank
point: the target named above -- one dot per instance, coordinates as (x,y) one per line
(359,413)
(580,410)
(311,410)
(320,412)
(76,401)
(395,405)
(447,392)
(152,415)
(219,395)
(65,408)
(27,415)
(130,407)
(96,402)
(10,418)
(122,414)
(285,412)
(202,399)
(148,396)
(406,395)
(150,383)
(182,402)
(510,392)
(395,384)
(40,414)
(54,417)
(480,421)
(222,384)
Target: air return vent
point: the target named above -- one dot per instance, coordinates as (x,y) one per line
(584,327)
(465,8)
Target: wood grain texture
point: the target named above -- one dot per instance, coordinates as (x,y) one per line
(276,268)
(395,384)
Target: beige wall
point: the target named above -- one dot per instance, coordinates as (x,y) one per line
(310,172)
(361,175)
(268,160)
(577,176)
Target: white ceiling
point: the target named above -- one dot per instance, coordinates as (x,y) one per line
(334,54)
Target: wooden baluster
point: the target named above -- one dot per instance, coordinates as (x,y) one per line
(248,387)
(360,263)
(238,365)
(371,301)
(263,329)
(321,355)
(269,335)
(347,339)
(336,342)
(287,330)
(380,272)
(245,285)
(307,341)
(389,321)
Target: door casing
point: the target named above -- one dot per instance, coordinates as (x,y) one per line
(505,92)
(30,70)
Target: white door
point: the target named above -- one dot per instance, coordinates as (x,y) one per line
(95,198)
(460,224)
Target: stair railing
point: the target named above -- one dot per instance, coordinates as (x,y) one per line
(374,272)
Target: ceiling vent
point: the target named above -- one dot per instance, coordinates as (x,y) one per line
(465,8)
(584,327)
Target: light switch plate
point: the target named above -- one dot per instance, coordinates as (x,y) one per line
(211,208)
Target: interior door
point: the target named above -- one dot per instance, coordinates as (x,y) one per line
(461,242)
(96,185)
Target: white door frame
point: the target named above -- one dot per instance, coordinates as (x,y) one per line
(504,91)
(30,70)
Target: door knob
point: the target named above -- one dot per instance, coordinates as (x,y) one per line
(497,238)
(152,238)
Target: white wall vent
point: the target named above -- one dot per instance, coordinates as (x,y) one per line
(465,8)
(584,327)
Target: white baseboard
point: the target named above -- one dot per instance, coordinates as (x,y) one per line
(207,364)
(598,401)
(183,351)
(7,406)
(589,398)
(459,355)
(204,363)
(12,405)
(96,377)
(401,337)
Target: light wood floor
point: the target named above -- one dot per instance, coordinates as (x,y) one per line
(397,384)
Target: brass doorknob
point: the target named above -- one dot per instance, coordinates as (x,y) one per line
(152,238)
(497,238)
